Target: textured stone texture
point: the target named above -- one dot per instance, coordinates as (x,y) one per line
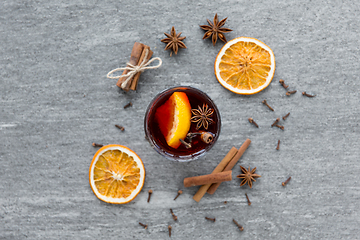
(56,101)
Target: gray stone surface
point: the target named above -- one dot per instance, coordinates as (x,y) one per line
(56,101)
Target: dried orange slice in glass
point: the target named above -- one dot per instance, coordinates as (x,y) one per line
(174,117)
(116,174)
(245,65)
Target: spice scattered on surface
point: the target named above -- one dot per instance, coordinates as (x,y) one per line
(279,126)
(174,41)
(282,82)
(128,105)
(201,116)
(307,95)
(248,176)
(225,202)
(248,200)
(284,117)
(288,93)
(266,104)
(276,121)
(286,182)
(169,228)
(97,145)
(215,30)
(144,225)
(173,215)
(120,127)
(238,225)
(210,219)
(178,194)
(253,122)
(278,145)
(150,192)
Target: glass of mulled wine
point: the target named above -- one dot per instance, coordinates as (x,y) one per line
(182,123)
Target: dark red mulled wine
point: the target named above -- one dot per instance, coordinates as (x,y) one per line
(198,147)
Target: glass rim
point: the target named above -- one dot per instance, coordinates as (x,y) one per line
(157,148)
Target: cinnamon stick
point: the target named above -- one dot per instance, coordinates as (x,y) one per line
(134,60)
(231,164)
(206,179)
(219,168)
(135,81)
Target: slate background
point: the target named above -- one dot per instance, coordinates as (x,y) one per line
(56,101)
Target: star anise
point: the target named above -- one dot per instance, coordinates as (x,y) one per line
(174,41)
(248,176)
(215,29)
(202,116)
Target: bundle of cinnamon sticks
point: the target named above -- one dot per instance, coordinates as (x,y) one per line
(138,55)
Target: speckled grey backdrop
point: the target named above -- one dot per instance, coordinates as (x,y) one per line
(56,101)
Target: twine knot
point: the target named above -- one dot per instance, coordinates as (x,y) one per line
(134,69)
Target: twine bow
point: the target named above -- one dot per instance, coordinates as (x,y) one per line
(134,69)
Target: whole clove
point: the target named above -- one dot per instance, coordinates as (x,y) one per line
(278,145)
(284,117)
(238,225)
(282,82)
(248,200)
(279,126)
(178,194)
(173,215)
(128,105)
(120,127)
(253,122)
(266,104)
(286,182)
(150,192)
(144,225)
(169,228)
(307,95)
(288,93)
(210,219)
(276,121)
(187,145)
(97,145)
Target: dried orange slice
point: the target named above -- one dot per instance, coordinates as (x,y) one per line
(245,65)
(173,118)
(116,174)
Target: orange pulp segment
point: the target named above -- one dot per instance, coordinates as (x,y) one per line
(173,118)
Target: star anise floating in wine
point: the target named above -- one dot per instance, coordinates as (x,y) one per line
(174,41)
(248,176)
(215,29)
(202,116)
